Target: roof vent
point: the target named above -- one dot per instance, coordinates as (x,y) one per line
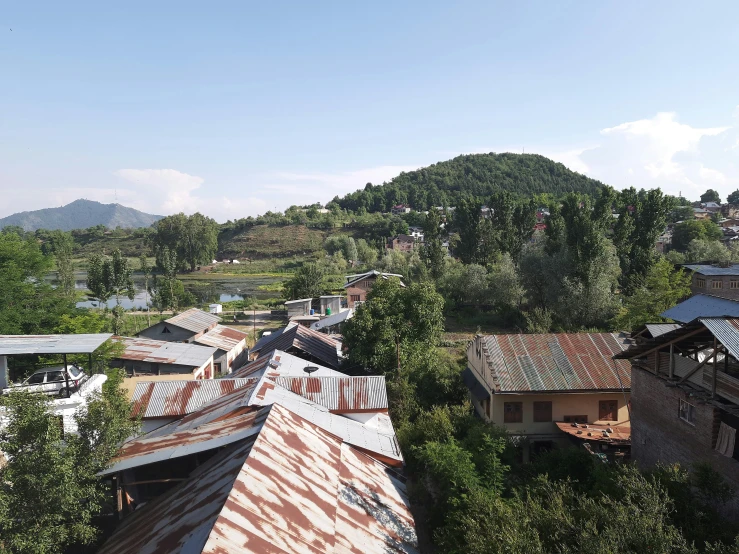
(310,369)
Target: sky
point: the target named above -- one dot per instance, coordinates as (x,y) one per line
(236,108)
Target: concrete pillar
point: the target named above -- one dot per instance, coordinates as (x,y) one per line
(3,372)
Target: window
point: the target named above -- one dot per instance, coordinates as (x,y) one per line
(686,412)
(54,376)
(734,284)
(165,330)
(36,379)
(542,412)
(356,298)
(576,419)
(608,410)
(700,282)
(716,284)
(513,412)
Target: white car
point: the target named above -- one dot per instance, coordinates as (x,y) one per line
(52,381)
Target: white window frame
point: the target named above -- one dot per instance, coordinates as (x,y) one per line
(687,408)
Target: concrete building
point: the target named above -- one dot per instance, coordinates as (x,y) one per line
(715,280)
(156,357)
(357,286)
(298,308)
(330,304)
(529,383)
(401,243)
(685,398)
(184,327)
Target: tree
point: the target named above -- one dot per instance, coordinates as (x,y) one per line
(476,242)
(60,245)
(307,282)
(733,198)
(395,325)
(28,304)
(711,196)
(513,222)
(107,277)
(51,492)
(145,269)
(663,287)
(712,251)
(365,253)
(687,231)
(193,238)
(168,292)
(432,253)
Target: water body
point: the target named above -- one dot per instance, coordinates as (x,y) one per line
(216,290)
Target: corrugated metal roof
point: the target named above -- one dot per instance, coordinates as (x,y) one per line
(556,362)
(156,447)
(222,337)
(340,394)
(162,352)
(308,341)
(657,329)
(51,344)
(295,488)
(303,300)
(702,305)
(194,320)
(710,270)
(352,279)
(726,331)
(380,442)
(265,339)
(282,364)
(155,399)
(333,319)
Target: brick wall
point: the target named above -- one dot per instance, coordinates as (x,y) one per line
(659,435)
(724,292)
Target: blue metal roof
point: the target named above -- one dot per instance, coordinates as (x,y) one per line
(705,269)
(702,305)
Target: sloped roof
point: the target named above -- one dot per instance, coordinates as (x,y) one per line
(51,344)
(264,339)
(333,319)
(352,279)
(313,343)
(710,270)
(163,352)
(702,305)
(556,362)
(657,329)
(294,488)
(340,394)
(194,320)
(222,337)
(155,399)
(282,364)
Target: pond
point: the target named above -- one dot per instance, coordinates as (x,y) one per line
(206,290)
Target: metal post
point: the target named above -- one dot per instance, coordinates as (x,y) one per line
(89,362)
(672,360)
(3,371)
(715,357)
(66,374)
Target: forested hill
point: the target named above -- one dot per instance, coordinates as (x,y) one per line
(80,214)
(442,183)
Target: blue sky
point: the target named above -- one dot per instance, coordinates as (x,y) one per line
(235,108)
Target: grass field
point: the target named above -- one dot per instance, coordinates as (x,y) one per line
(263,241)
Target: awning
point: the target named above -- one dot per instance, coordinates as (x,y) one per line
(477,389)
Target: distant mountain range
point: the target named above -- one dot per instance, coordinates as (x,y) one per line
(81,214)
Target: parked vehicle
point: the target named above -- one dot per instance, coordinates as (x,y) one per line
(53,381)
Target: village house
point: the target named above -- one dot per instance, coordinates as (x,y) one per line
(716,280)
(298,308)
(401,243)
(231,347)
(400,209)
(685,398)
(184,327)
(357,286)
(330,304)
(157,357)
(416,233)
(538,386)
(303,342)
(701,213)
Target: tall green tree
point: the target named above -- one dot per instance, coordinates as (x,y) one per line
(395,325)
(28,304)
(193,238)
(733,198)
(167,291)
(432,253)
(307,282)
(61,246)
(51,492)
(711,196)
(513,222)
(684,233)
(111,277)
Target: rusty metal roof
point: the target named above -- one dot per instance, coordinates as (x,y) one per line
(155,399)
(282,364)
(295,488)
(310,342)
(557,362)
(340,394)
(380,441)
(156,447)
(162,352)
(222,337)
(51,344)
(620,434)
(194,320)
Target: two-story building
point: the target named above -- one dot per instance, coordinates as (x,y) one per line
(529,383)
(717,280)
(357,286)
(402,243)
(685,398)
